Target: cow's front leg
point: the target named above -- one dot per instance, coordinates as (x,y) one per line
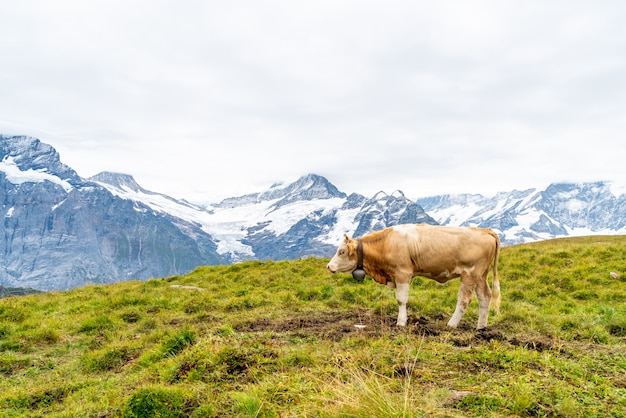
(402,296)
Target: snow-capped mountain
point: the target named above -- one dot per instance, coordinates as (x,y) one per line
(63,231)
(305,218)
(559,210)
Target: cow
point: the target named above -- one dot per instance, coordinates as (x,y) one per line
(396,254)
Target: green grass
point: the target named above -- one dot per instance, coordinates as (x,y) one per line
(277,339)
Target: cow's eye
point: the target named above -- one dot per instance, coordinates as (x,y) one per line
(342,252)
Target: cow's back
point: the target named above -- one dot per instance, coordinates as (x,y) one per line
(436,249)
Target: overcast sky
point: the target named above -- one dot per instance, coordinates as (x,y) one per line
(211,99)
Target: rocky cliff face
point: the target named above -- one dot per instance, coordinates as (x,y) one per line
(60,231)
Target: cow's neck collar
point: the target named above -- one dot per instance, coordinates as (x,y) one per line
(358,273)
(359,254)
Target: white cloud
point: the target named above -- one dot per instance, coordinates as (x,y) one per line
(205,100)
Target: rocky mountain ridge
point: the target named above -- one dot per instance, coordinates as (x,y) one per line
(62,231)
(305,218)
(560,210)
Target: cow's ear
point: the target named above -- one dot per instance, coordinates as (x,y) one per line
(346,238)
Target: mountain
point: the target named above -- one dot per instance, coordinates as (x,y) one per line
(305,218)
(62,231)
(560,210)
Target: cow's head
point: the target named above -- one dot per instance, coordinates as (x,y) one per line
(345,260)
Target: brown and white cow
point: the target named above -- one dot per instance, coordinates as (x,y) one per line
(395,255)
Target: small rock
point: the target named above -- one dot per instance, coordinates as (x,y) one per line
(458,395)
(614,275)
(178,286)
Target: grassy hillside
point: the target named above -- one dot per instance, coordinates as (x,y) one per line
(273,339)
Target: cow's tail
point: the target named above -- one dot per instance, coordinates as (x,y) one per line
(495,285)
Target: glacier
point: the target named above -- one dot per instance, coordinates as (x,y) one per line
(235,222)
(16,175)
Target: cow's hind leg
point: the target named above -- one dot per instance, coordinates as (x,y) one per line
(483,294)
(465,296)
(402,296)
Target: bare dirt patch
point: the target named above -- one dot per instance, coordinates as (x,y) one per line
(336,325)
(333,325)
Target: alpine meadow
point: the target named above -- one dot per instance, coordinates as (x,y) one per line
(288,339)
